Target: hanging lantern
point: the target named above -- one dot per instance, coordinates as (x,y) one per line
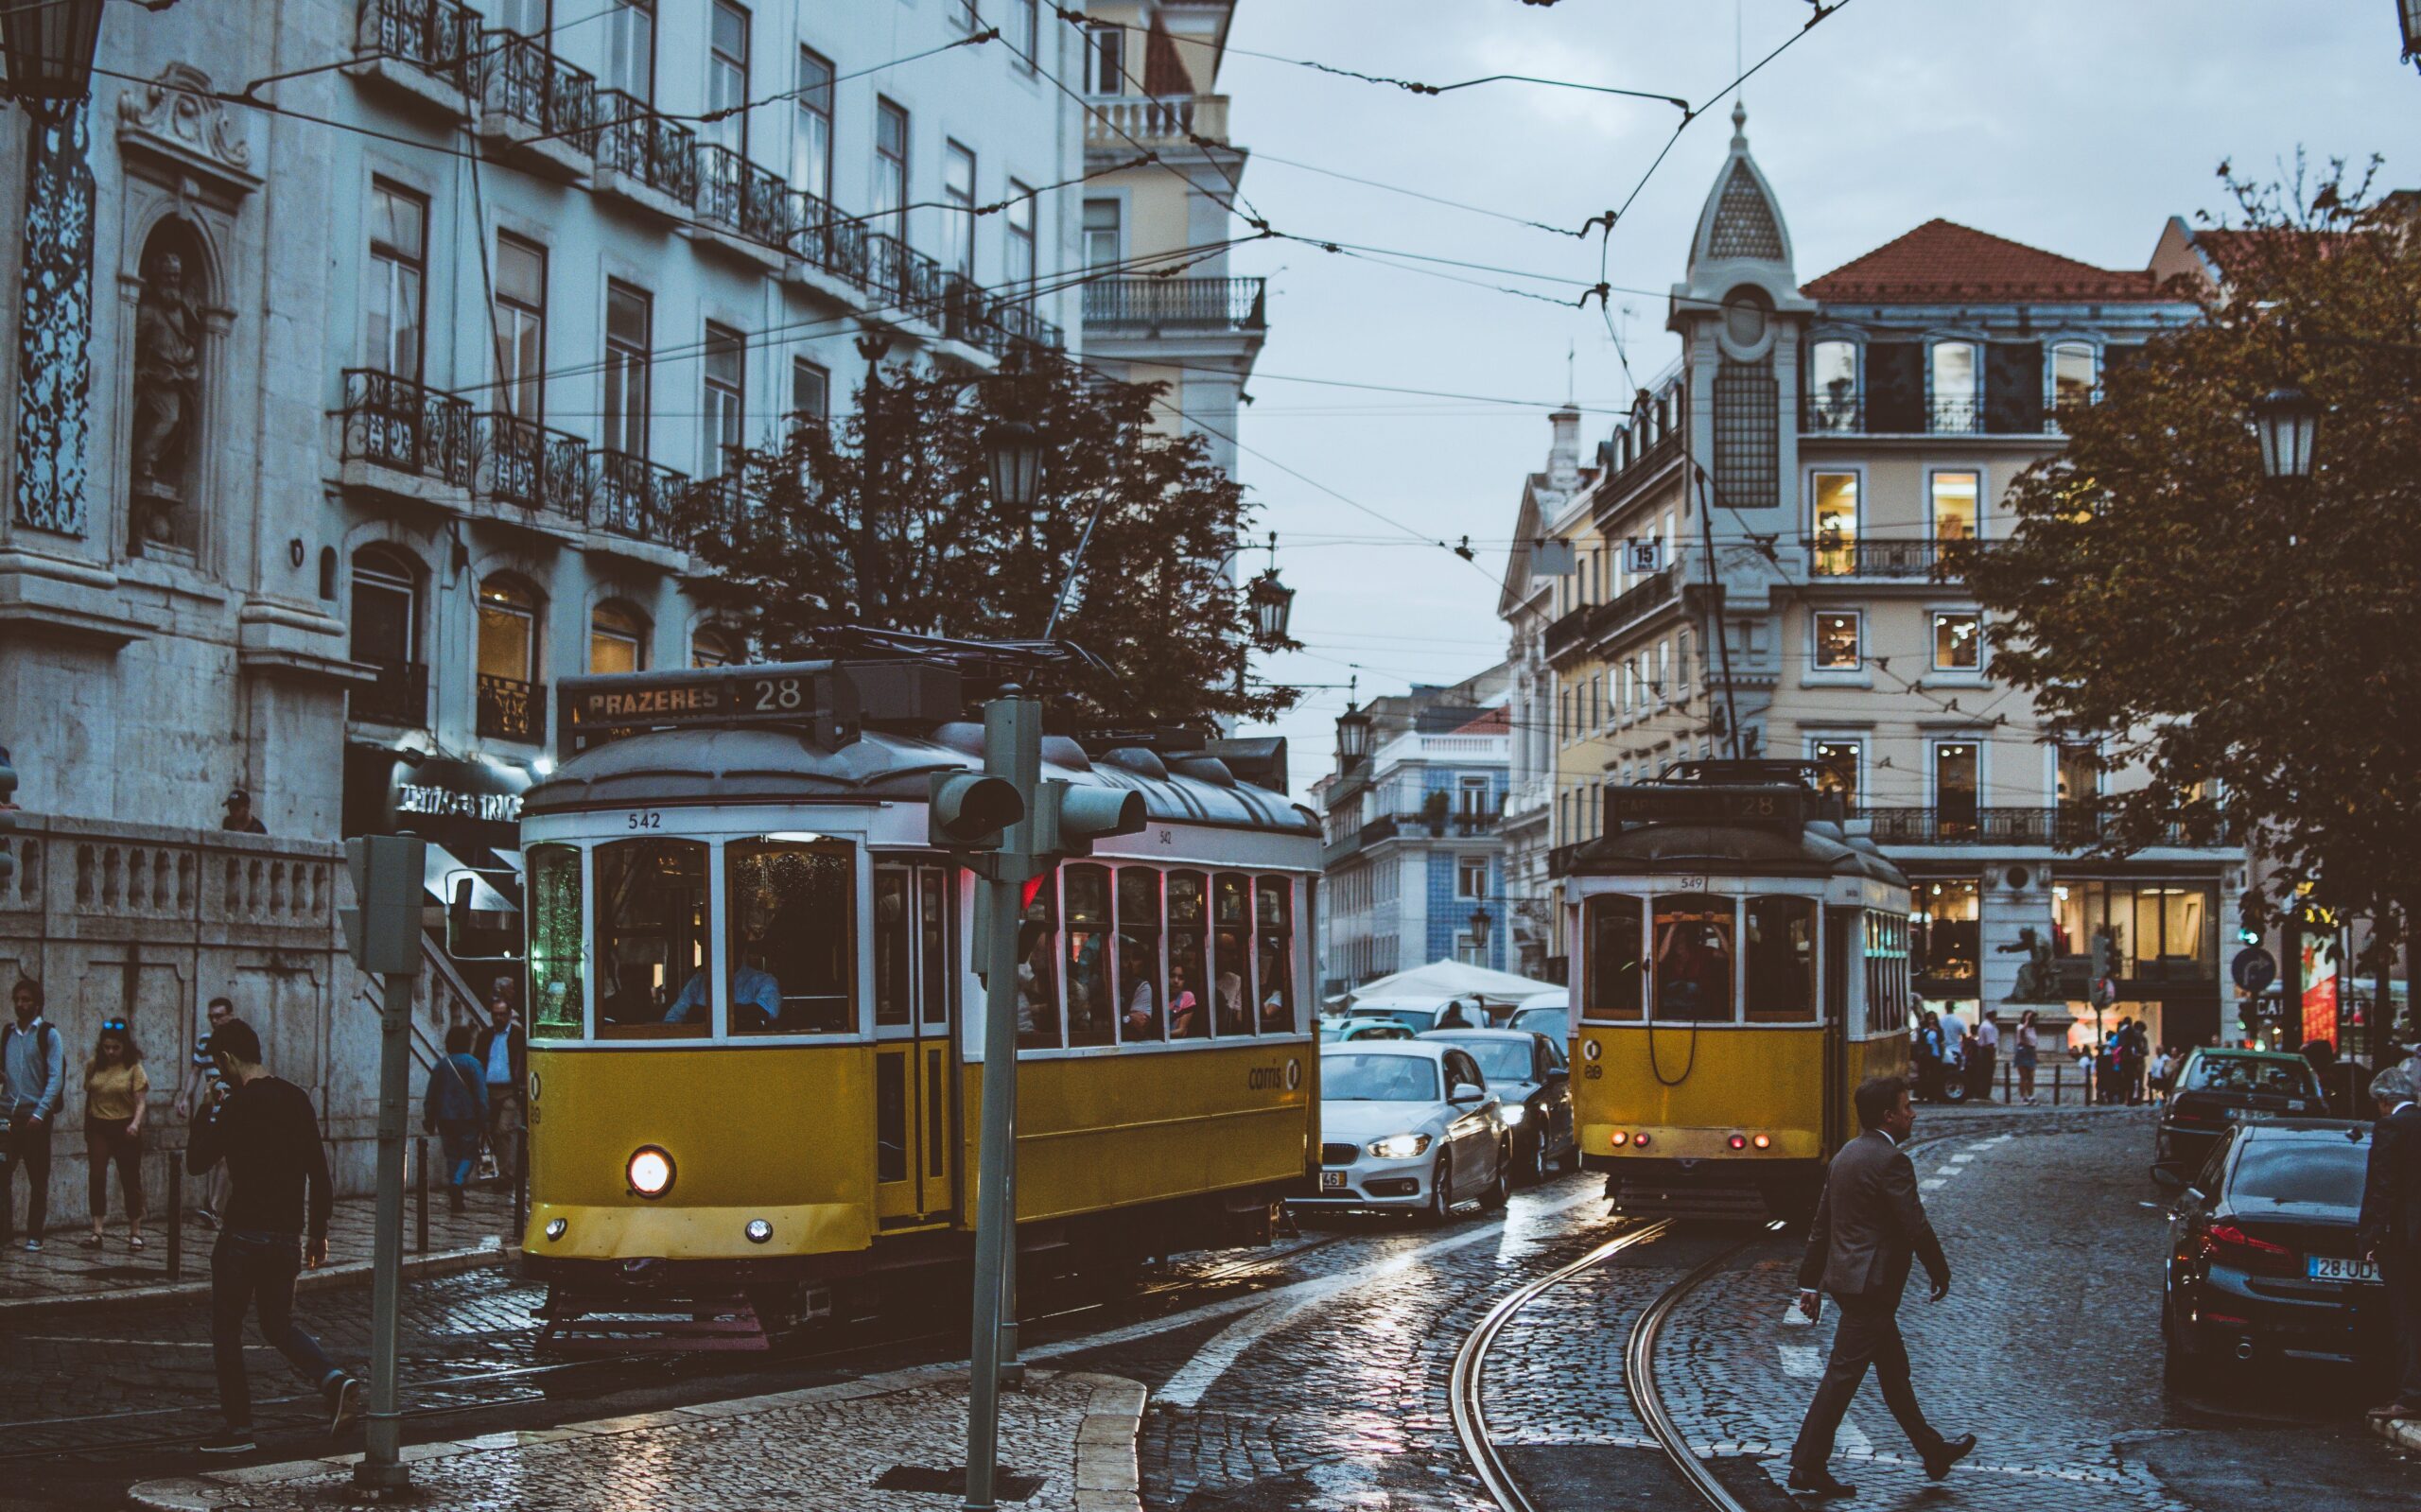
(2288,422)
(1352,735)
(1272,602)
(51,51)
(1015,454)
(2409,12)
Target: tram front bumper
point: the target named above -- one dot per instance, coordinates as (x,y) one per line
(576,1231)
(1653,1141)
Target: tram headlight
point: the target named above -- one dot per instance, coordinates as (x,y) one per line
(759,1231)
(1619,1139)
(1400,1146)
(650,1171)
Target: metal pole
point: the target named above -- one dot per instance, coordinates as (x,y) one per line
(2290,973)
(1012,750)
(176,1214)
(381,1465)
(420,1190)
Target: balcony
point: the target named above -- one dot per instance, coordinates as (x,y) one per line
(2069,828)
(744,201)
(533,101)
(510,710)
(405,428)
(1937,561)
(425,46)
(635,498)
(1858,415)
(646,152)
(1152,305)
(1115,122)
(540,470)
(399,696)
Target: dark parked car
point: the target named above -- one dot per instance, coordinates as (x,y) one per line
(2263,1260)
(1533,1081)
(2218,1089)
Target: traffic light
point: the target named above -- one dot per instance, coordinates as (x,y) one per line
(1067,819)
(8,819)
(382,928)
(967,810)
(2100,956)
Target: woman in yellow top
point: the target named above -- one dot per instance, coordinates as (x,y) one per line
(116,1086)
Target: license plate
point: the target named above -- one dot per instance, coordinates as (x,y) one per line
(2331,1268)
(2249,1115)
(1332,1181)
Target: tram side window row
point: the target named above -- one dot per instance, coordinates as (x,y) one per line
(1138,955)
(1699,958)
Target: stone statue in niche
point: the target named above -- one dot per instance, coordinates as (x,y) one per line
(167,381)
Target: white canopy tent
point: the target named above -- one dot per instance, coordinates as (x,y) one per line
(1441,981)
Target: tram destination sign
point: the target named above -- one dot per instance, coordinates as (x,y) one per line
(1689,803)
(827,699)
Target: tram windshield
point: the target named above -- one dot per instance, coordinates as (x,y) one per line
(793,921)
(1781,959)
(652,941)
(1692,958)
(1614,922)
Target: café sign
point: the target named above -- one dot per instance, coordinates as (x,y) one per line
(453,803)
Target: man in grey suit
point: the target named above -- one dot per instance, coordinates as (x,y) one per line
(1870,1226)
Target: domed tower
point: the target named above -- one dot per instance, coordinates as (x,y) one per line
(1741,318)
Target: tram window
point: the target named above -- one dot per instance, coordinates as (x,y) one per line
(652,940)
(1091,1016)
(1614,967)
(891,946)
(1189,956)
(1779,946)
(556,995)
(1231,952)
(1038,965)
(933,934)
(1693,959)
(1274,926)
(1138,980)
(792,907)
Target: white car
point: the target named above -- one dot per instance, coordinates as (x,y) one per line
(1408,1124)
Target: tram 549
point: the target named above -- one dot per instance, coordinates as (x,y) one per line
(1740,961)
(755,1023)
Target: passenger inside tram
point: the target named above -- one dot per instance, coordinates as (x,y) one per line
(1142,1017)
(1694,960)
(1233,1017)
(1186,1019)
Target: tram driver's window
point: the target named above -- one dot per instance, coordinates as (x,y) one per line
(1038,965)
(1614,925)
(1092,1011)
(1232,953)
(1779,950)
(793,912)
(1189,903)
(1273,925)
(1138,989)
(556,995)
(1691,959)
(652,947)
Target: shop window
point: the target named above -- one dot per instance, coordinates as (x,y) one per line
(1273,928)
(1692,958)
(1946,940)
(557,995)
(1092,1015)
(1038,965)
(1836,642)
(1612,929)
(1837,764)
(616,639)
(1137,985)
(652,941)
(792,907)
(1231,952)
(1779,955)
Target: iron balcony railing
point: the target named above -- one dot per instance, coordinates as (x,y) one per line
(399,696)
(736,195)
(1836,556)
(523,462)
(1176,303)
(522,80)
(635,498)
(403,426)
(1852,415)
(659,153)
(438,37)
(510,710)
(2070,828)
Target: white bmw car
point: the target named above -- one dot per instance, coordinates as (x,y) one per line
(1408,1124)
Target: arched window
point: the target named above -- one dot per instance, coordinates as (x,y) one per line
(386,634)
(2072,374)
(512,702)
(616,639)
(711,647)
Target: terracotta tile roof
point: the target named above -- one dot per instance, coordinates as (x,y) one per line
(1497,720)
(1942,262)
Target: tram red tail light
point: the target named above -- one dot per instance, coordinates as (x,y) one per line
(1739,1141)
(1639,1139)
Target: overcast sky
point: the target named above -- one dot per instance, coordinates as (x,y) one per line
(2079,126)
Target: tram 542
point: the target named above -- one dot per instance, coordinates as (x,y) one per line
(755,1023)
(1740,961)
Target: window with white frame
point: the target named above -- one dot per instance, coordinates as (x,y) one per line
(811,148)
(1955,506)
(629,319)
(520,327)
(891,170)
(1663,669)
(726,122)
(1105,60)
(721,415)
(810,391)
(1832,386)
(1101,235)
(958,213)
(1471,877)
(1838,764)
(1020,237)
(1471,797)
(1839,637)
(2072,374)
(398,277)
(1955,372)
(630,47)
(1835,521)
(1958,641)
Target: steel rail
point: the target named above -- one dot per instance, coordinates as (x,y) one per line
(1639,1378)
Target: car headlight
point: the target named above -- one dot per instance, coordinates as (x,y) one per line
(650,1171)
(1515,1112)
(1400,1146)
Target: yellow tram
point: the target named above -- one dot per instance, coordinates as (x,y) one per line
(756,1038)
(1740,963)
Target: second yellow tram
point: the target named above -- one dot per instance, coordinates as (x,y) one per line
(1739,962)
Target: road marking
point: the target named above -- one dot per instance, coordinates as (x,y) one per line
(1801,1362)
(1853,1440)
(1931,1183)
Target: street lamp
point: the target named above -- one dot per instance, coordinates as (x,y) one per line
(50,53)
(1272,602)
(1352,735)
(2409,14)
(1480,924)
(1015,458)
(2288,421)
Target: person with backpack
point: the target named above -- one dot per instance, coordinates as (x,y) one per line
(456,1110)
(33,1082)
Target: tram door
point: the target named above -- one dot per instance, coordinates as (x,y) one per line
(1840,949)
(915,1115)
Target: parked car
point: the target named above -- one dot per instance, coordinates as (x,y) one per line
(2218,1089)
(2263,1263)
(1408,1124)
(1334,1031)
(1551,1019)
(1533,1084)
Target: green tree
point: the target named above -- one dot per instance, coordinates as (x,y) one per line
(2220,628)
(887,520)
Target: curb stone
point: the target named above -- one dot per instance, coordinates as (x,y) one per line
(1106,1478)
(327,1278)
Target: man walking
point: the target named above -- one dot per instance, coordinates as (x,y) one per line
(503,1052)
(33,1079)
(2390,1227)
(202,1084)
(1870,1226)
(1988,1051)
(264,1129)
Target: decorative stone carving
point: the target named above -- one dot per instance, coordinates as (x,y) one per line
(179,108)
(167,381)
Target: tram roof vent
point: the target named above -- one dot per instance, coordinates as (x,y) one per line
(1207,769)
(965,737)
(1059,751)
(1259,761)
(1138,760)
